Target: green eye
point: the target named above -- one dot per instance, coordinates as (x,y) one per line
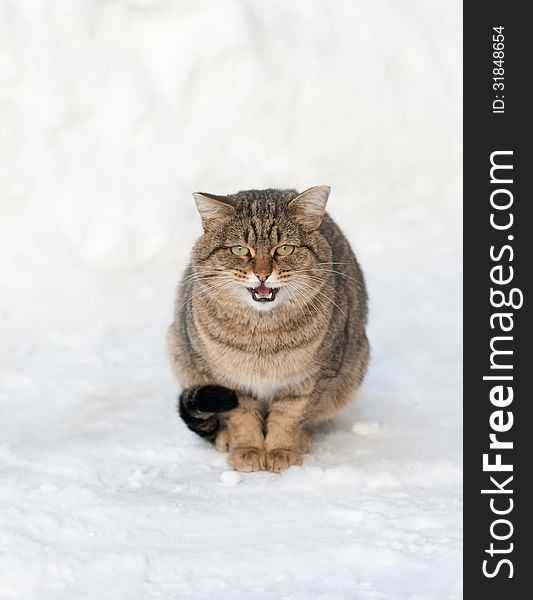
(240,250)
(285,250)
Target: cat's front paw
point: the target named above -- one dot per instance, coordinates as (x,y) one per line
(280,459)
(247,459)
(222,441)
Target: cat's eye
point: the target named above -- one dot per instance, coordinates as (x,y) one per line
(285,250)
(240,250)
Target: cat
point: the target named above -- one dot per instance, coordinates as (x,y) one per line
(269,334)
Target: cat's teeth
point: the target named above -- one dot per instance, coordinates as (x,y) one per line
(258,297)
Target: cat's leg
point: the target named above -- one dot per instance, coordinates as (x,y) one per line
(246,440)
(287,439)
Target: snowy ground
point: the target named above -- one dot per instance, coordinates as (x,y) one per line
(111,113)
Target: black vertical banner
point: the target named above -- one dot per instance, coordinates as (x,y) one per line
(498,267)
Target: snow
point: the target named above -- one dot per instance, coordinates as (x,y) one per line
(230,477)
(112,114)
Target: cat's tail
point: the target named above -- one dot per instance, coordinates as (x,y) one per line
(199,407)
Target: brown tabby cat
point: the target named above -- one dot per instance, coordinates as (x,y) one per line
(269,330)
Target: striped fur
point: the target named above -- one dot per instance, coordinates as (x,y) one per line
(291,362)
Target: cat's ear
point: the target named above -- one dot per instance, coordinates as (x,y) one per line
(309,206)
(212,208)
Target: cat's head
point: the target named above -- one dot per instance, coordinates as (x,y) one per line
(262,248)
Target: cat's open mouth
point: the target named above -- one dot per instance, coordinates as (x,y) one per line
(262,293)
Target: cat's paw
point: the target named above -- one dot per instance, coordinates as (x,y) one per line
(279,460)
(222,441)
(247,459)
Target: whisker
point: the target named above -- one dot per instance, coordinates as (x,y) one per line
(327,271)
(310,309)
(202,275)
(300,299)
(321,293)
(317,279)
(311,300)
(204,291)
(210,296)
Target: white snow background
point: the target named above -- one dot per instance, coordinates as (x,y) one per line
(111,113)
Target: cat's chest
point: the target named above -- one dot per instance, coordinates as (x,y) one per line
(264,373)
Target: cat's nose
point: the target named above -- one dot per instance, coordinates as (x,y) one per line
(262,275)
(262,270)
